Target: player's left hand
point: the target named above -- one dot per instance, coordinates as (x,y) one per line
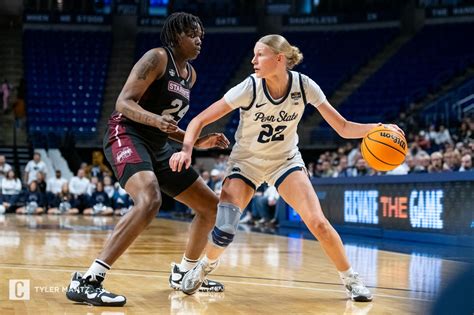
(212,140)
(180,159)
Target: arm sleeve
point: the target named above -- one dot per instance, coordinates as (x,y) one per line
(241,95)
(314,94)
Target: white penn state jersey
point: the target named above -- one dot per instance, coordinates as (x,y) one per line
(268,127)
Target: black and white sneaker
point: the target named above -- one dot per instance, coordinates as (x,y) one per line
(84,291)
(176,278)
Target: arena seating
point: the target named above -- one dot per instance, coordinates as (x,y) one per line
(435,55)
(65,73)
(331,57)
(449,109)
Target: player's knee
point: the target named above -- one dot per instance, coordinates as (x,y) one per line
(154,204)
(149,201)
(208,218)
(207,212)
(322,228)
(227,222)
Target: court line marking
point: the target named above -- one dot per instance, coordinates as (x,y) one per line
(296,281)
(235,282)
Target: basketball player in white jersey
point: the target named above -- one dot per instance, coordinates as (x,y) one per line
(271,104)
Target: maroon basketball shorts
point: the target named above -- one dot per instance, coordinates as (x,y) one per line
(129,153)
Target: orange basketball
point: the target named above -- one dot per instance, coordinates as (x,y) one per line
(384,149)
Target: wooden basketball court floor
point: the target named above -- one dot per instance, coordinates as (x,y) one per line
(263,274)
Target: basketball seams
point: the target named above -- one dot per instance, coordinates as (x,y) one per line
(374,144)
(367,147)
(378,141)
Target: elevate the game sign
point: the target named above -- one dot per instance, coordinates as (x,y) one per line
(434,203)
(421,208)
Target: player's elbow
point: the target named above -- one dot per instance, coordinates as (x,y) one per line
(124,105)
(196,123)
(342,129)
(344,134)
(120,105)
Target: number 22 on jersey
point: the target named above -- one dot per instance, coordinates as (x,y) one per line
(271,134)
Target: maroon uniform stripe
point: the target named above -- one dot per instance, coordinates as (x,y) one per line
(123,149)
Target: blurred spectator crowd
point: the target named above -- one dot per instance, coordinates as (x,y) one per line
(434,150)
(91,192)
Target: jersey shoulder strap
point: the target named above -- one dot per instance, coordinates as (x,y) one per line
(302,89)
(254,94)
(190,71)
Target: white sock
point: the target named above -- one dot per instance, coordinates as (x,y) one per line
(187,264)
(97,271)
(209,261)
(347,273)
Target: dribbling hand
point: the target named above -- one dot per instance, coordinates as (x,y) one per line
(393,127)
(212,140)
(167,124)
(178,160)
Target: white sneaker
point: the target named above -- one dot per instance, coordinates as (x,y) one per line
(356,289)
(177,276)
(195,277)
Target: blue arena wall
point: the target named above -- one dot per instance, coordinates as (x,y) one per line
(432,208)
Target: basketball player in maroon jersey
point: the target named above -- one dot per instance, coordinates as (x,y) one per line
(152,101)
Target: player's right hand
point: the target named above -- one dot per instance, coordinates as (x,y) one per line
(167,124)
(179,159)
(393,127)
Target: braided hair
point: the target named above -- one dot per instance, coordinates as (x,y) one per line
(176,24)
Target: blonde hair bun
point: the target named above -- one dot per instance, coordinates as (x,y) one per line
(279,44)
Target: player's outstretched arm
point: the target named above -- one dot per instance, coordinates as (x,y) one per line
(150,67)
(208,116)
(212,140)
(345,128)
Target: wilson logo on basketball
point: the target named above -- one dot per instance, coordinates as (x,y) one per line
(384,149)
(395,139)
